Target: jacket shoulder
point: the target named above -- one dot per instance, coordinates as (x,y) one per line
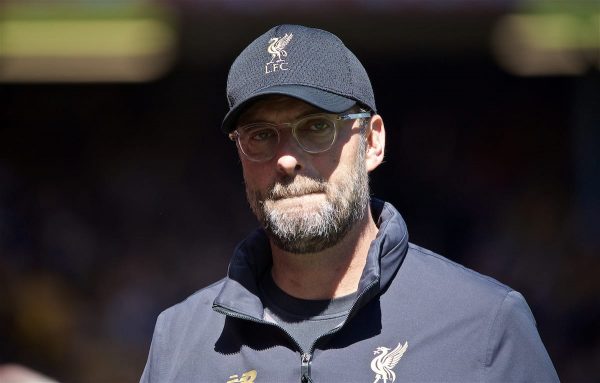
(178,332)
(485,316)
(450,276)
(195,304)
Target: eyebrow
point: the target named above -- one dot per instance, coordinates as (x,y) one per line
(312,110)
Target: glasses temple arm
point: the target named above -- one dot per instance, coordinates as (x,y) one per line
(354,116)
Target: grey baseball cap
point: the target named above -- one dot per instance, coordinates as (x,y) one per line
(309,64)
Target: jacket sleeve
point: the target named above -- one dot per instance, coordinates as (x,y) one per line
(515,352)
(151,372)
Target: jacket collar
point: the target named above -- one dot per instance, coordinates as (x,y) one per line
(252,258)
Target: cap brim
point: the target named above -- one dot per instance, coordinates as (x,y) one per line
(329,102)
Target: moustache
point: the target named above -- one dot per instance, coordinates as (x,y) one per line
(299,186)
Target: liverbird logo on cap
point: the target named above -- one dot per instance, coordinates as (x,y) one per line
(277,50)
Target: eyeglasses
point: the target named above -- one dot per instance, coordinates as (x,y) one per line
(314,133)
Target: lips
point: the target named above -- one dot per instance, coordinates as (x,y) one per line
(299,188)
(295,195)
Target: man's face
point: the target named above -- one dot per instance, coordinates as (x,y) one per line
(306,202)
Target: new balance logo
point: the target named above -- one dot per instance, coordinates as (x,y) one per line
(247,377)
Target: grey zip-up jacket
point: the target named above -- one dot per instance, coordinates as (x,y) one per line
(418,317)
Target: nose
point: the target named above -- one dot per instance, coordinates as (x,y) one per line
(288,165)
(289,157)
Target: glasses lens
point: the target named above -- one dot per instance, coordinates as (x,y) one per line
(315,134)
(259,141)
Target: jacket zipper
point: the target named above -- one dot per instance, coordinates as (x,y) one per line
(305,368)
(305,377)
(305,357)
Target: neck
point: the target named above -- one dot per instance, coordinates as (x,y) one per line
(331,273)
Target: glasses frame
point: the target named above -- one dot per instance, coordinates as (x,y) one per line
(334,118)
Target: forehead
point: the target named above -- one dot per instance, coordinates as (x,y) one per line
(275,108)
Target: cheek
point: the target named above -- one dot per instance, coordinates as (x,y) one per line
(329,164)
(255,175)
(327,168)
(345,161)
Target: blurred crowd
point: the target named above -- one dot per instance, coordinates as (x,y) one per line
(117,201)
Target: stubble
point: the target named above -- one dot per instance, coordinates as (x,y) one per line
(321,224)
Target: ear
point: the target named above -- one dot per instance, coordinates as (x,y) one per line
(375,143)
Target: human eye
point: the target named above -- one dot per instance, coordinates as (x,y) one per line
(319,125)
(316,126)
(260,133)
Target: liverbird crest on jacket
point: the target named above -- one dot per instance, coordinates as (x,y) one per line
(385,361)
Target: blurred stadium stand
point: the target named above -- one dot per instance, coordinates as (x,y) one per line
(119,196)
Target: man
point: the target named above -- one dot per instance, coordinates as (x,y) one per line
(329,289)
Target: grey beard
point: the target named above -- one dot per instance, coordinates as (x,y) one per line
(314,230)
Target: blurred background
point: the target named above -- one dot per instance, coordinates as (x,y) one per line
(119,195)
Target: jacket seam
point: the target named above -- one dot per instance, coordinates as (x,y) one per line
(457,265)
(488,345)
(155,364)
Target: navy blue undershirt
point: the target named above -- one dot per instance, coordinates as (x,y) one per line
(304,319)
